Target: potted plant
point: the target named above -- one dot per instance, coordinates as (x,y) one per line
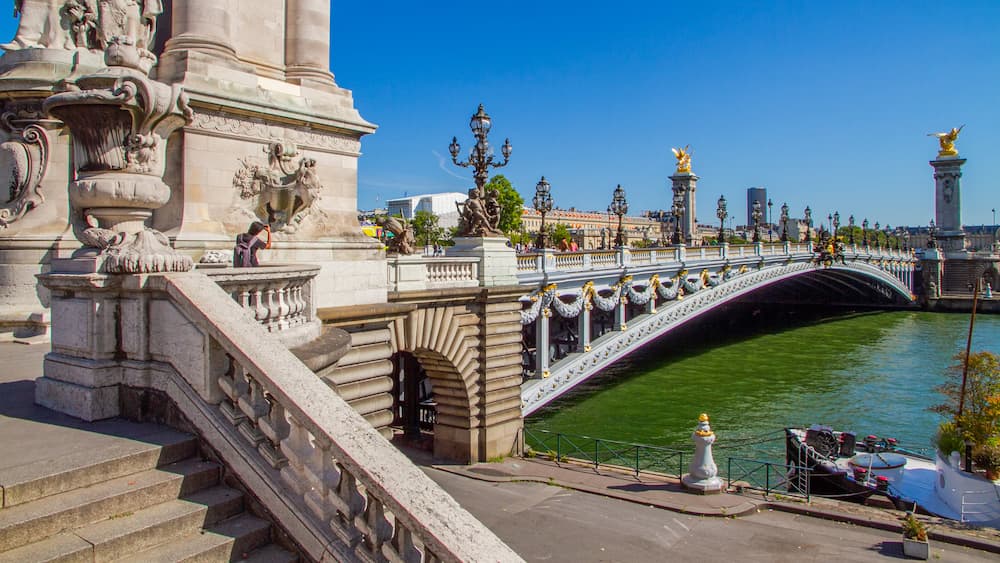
(988,459)
(915,542)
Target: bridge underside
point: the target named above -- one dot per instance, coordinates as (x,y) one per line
(855,285)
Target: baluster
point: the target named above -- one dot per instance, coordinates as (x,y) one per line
(260,308)
(283,308)
(271,302)
(275,429)
(348,499)
(375,525)
(254,406)
(235,387)
(403,544)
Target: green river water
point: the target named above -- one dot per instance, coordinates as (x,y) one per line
(873,373)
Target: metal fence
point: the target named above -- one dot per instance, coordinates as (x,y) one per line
(765,476)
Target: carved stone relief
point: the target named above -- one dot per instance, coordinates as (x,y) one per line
(255,129)
(284,188)
(84,24)
(24,160)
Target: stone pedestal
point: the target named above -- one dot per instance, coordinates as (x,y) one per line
(497,260)
(703,476)
(948,203)
(685,184)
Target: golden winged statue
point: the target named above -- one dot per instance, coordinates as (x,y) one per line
(683,157)
(947,141)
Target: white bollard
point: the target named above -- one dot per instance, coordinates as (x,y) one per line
(703,476)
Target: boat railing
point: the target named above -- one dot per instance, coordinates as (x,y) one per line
(768,477)
(598,452)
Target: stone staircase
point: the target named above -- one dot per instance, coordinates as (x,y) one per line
(147,500)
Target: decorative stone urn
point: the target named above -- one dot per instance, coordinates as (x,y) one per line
(119,120)
(703,476)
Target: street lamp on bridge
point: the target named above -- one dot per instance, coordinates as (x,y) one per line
(784,223)
(619,207)
(876,233)
(864,231)
(836,223)
(543,204)
(932,238)
(770,221)
(481,155)
(755,215)
(850,226)
(721,213)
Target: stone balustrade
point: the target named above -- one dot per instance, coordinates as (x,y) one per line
(417,273)
(279,297)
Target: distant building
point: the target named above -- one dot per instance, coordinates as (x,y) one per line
(442,205)
(593,230)
(757,194)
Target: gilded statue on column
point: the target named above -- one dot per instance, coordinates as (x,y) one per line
(947,141)
(683,157)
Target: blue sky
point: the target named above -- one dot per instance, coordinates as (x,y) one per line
(826,104)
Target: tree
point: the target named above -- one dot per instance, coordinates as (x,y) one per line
(511,203)
(425,228)
(557,233)
(980,419)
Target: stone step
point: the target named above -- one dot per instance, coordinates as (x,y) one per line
(231,540)
(119,497)
(270,554)
(45,477)
(119,536)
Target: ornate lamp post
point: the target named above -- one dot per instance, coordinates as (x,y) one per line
(755,215)
(543,204)
(476,219)
(721,213)
(481,155)
(677,211)
(864,231)
(932,239)
(784,222)
(770,221)
(850,226)
(836,223)
(619,207)
(906,239)
(808,213)
(888,232)
(876,233)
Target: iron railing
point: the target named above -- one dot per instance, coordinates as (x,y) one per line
(765,476)
(768,477)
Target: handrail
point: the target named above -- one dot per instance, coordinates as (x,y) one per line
(324,457)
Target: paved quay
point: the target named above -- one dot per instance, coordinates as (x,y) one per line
(544,510)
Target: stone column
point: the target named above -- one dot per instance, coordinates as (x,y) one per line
(947,202)
(685,184)
(307,43)
(206,27)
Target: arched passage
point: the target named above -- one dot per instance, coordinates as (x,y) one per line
(468,342)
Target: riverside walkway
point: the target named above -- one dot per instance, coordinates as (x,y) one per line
(541,509)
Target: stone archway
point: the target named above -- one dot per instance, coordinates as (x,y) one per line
(469,343)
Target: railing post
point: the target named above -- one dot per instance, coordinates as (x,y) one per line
(587,261)
(548,260)
(597,452)
(542,343)
(680,253)
(624,257)
(724,250)
(637,461)
(583,328)
(758,249)
(787,247)
(621,311)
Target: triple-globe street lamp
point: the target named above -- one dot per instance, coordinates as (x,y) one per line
(876,233)
(721,213)
(770,221)
(864,231)
(784,222)
(808,214)
(836,223)
(543,204)
(755,214)
(481,155)
(850,226)
(619,207)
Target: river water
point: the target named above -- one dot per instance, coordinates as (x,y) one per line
(756,371)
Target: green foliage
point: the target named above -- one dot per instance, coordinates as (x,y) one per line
(988,458)
(496,459)
(557,233)
(425,228)
(511,203)
(914,529)
(980,419)
(530,453)
(737,240)
(948,439)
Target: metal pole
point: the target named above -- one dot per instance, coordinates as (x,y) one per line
(968,350)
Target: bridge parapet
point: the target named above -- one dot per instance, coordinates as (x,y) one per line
(582,321)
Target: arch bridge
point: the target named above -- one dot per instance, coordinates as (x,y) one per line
(587,310)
